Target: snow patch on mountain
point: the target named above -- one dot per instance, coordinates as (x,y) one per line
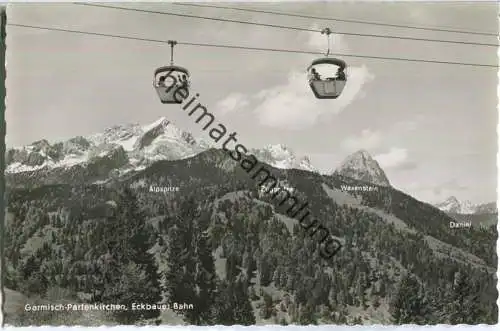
(453,205)
(361,166)
(133,147)
(282,157)
(142,145)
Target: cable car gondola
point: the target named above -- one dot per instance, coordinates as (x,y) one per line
(167,80)
(331,87)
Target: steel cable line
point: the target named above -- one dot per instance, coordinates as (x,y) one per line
(288,27)
(248,47)
(340,19)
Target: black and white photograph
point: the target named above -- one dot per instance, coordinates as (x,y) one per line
(251,163)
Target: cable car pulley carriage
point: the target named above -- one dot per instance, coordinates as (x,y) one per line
(331,87)
(178,75)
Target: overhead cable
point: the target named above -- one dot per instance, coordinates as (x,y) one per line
(116,36)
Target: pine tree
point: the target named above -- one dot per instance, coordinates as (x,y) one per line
(173,274)
(206,280)
(360,291)
(224,313)
(233,304)
(243,312)
(382,290)
(463,307)
(231,267)
(248,263)
(130,273)
(179,278)
(267,308)
(408,306)
(190,276)
(307,315)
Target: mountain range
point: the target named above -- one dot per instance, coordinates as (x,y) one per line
(478,215)
(132,147)
(84,226)
(453,205)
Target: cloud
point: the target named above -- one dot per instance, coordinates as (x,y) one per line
(450,188)
(407,166)
(396,158)
(436,192)
(232,102)
(292,105)
(393,158)
(405,126)
(368,139)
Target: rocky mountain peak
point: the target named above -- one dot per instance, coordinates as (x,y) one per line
(281,156)
(135,146)
(361,166)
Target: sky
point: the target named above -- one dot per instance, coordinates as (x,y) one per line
(432,127)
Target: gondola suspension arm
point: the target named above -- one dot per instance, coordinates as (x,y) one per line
(327,31)
(172,43)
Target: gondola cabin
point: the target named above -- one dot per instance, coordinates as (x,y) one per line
(327,87)
(167,80)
